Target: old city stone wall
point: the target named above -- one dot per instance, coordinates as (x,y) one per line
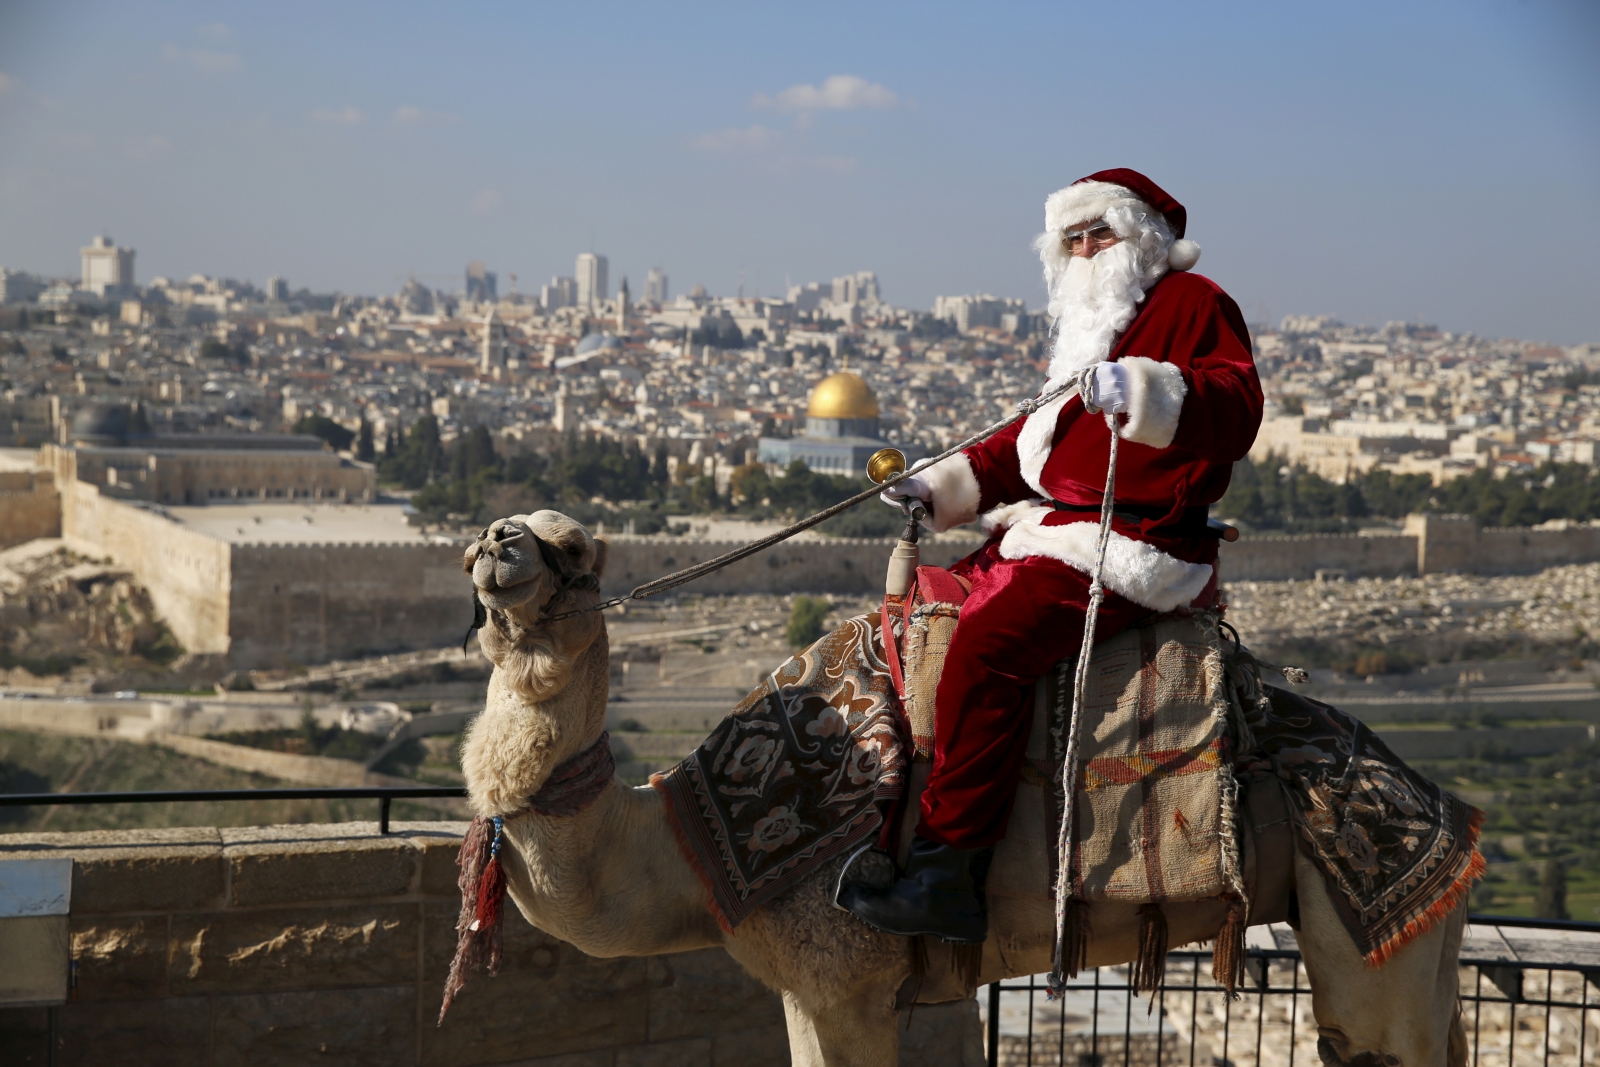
(1277,559)
(1430,544)
(312,603)
(187,573)
(30,507)
(330,943)
(841,566)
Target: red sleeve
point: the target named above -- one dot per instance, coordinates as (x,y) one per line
(1222,410)
(995,466)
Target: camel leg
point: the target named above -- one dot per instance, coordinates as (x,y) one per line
(851,1032)
(1403,1014)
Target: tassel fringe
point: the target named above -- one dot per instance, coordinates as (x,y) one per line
(1075,938)
(483,886)
(967,962)
(1150,966)
(1227,951)
(1448,902)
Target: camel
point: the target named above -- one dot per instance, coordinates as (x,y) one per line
(612,880)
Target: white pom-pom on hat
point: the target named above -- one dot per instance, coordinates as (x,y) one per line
(1183,254)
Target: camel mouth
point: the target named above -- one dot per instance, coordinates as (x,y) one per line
(505,565)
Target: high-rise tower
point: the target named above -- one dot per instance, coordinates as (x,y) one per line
(591,273)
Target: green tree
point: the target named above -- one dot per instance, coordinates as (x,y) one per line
(420,457)
(364,449)
(1552,903)
(805,620)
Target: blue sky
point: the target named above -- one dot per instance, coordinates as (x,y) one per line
(1398,160)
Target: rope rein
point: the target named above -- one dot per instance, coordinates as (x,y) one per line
(1061,967)
(671,581)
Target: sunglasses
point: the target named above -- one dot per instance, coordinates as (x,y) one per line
(1099,233)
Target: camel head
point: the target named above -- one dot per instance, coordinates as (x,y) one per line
(526,569)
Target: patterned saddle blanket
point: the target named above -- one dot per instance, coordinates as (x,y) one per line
(815,762)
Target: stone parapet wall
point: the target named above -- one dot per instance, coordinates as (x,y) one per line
(330,944)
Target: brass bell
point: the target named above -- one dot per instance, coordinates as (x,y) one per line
(884,464)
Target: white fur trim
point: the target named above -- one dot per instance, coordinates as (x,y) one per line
(1036,438)
(1183,255)
(955,493)
(1082,202)
(1001,518)
(1137,570)
(1155,401)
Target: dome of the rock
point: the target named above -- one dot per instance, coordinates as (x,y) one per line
(843,396)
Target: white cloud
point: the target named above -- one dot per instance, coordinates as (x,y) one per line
(757,138)
(205,60)
(340,116)
(7,83)
(420,117)
(842,92)
(487,201)
(215,33)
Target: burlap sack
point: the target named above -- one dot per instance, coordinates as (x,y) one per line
(1155,790)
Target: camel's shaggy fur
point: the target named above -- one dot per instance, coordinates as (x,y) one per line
(613,881)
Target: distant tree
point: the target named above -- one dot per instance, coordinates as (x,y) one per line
(805,620)
(1552,903)
(337,437)
(419,459)
(364,449)
(473,453)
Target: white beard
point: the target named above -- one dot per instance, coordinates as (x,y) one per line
(1093,300)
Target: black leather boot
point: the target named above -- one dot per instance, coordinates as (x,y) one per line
(940,893)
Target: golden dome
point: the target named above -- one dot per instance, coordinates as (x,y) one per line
(843,396)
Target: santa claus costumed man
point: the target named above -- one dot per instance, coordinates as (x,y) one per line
(1171,360)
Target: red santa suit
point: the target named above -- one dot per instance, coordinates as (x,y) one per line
(1194,405)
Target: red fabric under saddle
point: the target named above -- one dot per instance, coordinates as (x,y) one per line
(934,585)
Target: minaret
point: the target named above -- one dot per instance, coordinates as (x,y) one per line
(622,307)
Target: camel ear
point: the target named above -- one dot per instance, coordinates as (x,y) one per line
(600,549)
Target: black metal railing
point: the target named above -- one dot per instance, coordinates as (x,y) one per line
(385,795)
(1537,1010)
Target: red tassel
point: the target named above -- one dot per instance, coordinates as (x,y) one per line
(491,898)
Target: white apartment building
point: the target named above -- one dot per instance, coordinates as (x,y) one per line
(105,266)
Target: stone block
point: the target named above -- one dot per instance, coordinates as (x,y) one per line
(600,1057)
(766,1047)
(510,1016)
(175,1032)
(666,1053)
(119,957)
(524,947)
(438,844)
(293,948)
(25,1037)
(701,993)
(373,1027)
(942,1035)
(132,870)
(320,861)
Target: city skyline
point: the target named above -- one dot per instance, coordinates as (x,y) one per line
(1343,162)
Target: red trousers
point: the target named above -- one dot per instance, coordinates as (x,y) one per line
(1021,618)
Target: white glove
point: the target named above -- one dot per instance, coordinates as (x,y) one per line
(916,486)
(1111,387)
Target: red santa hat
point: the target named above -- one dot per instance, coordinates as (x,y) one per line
(1091,197)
